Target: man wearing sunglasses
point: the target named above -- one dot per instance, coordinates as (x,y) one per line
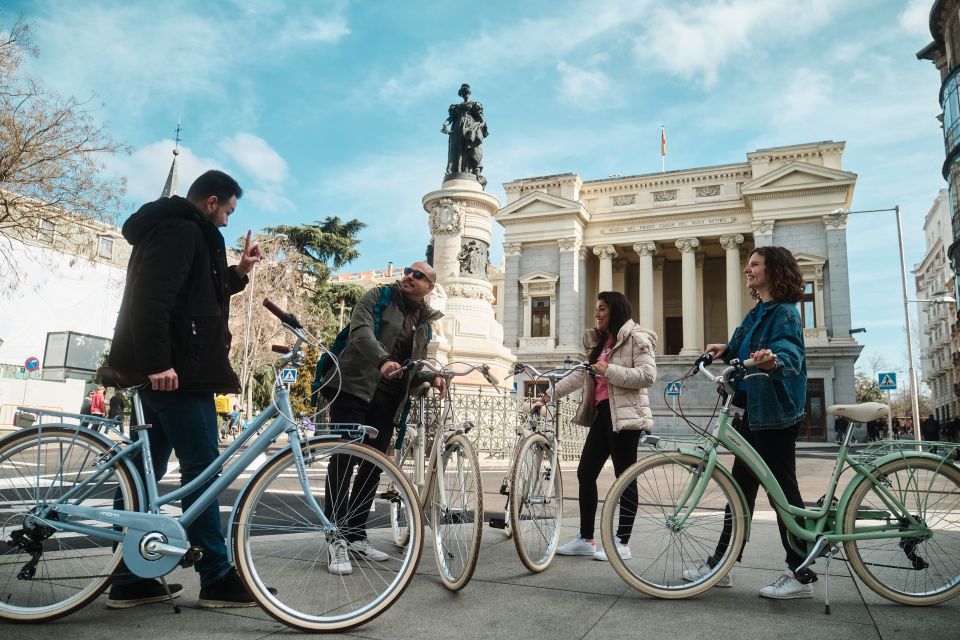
(374,392)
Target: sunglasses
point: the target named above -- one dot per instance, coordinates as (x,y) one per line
(416,273)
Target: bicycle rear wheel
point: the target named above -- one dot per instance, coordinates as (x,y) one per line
(456,512)
(914,571)
(46,574)
(536,503)
(676,551)
(279,541)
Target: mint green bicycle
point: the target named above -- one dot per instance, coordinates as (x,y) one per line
(898,519)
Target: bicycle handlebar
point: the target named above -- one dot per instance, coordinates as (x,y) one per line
(446,372)
(552,374)
(285,318)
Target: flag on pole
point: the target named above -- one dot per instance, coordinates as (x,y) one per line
(663,150)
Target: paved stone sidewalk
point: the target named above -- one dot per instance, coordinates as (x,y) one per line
(575,598)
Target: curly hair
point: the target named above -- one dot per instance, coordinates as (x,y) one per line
(783,274)
(619,310)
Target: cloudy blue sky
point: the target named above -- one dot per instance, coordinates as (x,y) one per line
(334,108)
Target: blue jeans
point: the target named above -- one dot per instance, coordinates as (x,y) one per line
(186,423)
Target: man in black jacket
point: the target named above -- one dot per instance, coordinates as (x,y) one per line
(172,328)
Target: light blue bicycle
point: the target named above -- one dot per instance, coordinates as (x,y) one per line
(74,510)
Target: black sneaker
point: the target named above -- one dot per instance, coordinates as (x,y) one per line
(228,591)
(145,591)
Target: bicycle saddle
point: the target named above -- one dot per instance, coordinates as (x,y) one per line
(864,412)
(111,377)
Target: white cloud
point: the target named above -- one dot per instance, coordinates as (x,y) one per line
(192,49)
(696,40)
(915,17)
(517,45)
(256,157)
(314,30)
(269,200)
(583,87)
(146,169)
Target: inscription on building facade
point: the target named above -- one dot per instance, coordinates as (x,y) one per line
(671,224)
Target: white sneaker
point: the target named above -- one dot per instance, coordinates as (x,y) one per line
(578,547)
(702,569)
(622,549)
(786,587)
(365,549)
(338,560)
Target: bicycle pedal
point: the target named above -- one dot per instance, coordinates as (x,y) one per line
(192,556)
(498,523)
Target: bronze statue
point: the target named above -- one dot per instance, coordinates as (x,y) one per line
(467,128)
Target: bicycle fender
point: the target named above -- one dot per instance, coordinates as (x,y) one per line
(107,442)
(743,499)
(897,455)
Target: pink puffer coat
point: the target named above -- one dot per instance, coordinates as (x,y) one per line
(632,370)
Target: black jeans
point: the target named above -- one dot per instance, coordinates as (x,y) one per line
(777,447)
(350,511)
(602,443)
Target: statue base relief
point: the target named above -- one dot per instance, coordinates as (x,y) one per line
(461,221)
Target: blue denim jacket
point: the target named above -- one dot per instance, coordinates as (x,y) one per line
(775,401)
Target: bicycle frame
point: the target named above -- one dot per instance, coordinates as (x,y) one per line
(149,518)
(817,520)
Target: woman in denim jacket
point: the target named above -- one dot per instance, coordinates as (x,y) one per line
(774,404)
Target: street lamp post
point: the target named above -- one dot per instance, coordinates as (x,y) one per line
(914,400)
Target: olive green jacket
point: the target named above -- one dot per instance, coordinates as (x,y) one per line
(360,360)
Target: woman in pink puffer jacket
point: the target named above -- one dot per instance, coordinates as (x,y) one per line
(616,408)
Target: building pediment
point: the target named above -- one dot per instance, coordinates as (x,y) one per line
(540,204)
(804,259)
(535,277)
(799,176)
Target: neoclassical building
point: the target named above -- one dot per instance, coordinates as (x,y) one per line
(938,322)
(675,243)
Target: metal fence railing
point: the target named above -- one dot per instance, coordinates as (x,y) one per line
(498,420)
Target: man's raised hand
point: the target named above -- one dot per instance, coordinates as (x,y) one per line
(251,255)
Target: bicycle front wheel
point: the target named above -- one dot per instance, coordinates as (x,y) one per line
(682,549)
(536,497)
(44,573)
(920,570)
(456,512)
(323,581)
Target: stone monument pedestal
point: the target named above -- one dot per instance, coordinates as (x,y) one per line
(461,221)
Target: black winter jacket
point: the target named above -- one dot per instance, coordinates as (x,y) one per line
(176,303)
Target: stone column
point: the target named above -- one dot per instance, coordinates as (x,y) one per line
(620,275)
(731,244)
(701,300)
(658,264)
(607,253)
(512,252)
(645,314)
(569,293)
(836,230)
(582,254)
(461,224)
(688,248)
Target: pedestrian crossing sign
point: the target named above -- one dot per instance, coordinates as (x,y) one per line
(288,376)
(673,389)
(887,381)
